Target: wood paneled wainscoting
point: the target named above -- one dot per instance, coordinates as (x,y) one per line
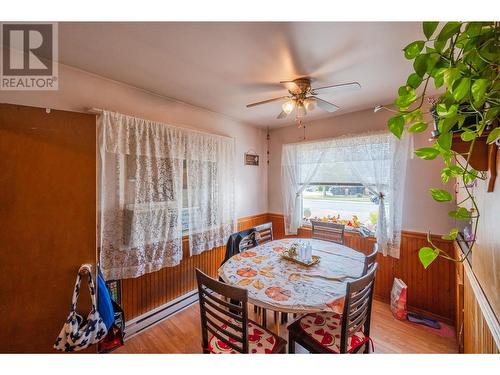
(430,291)
(477,326)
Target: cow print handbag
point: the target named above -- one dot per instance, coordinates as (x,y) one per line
(77,334)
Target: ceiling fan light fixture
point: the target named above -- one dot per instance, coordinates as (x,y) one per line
(288,106)
(301,110)
(310,104)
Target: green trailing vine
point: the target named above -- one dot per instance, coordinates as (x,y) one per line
(462,60)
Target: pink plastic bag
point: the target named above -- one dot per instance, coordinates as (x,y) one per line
(398,299)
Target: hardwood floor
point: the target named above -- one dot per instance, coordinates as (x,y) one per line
(181,334)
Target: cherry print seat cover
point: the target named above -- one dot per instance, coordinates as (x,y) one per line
(260,341)
(324,328)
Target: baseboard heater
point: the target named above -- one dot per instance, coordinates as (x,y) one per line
(147,320)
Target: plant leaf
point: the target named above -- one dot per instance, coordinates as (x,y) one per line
(492,113)
(452,235)
(470,176)
(427,153)
(414,80)
(396,125)
(446,124)
(494,134)
(406,96)
(429,28)
(413,49)
(439,45)
(448,30)
(427,255)
(444,140)
(479,89)
(468,135)
(451,171)
(450,75)
(462,89)
(445,112)
(440,195)
(460,214)
(417,127)
(420,64)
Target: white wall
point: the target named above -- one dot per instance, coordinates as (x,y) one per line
(79,90)
(421,212)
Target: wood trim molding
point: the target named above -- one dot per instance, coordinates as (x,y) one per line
(487,312)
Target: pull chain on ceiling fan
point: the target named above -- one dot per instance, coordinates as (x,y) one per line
(303,98)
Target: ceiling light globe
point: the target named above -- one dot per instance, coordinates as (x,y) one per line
(310,104)
(288,106)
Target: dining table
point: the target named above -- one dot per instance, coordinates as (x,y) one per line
(282,285)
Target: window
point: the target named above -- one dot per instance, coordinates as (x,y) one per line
(156,182)
(355,179)
(349,204)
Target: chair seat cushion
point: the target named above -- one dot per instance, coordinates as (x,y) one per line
(260,341)
(325,329)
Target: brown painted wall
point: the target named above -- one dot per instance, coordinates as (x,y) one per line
(47,221)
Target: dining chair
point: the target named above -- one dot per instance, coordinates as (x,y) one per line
(370,259)
(326,231)
(264,232)
(327,332)
(241,241)
(245,241)
(234,242)
(225,326)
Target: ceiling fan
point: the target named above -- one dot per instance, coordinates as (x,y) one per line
(303,98)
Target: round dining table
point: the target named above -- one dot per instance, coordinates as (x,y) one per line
(283,285)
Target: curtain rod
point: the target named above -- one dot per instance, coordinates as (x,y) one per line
(96,111)
(99,111)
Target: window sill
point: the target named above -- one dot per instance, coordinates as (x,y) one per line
(348,231)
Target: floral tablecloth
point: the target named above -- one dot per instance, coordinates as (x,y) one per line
(283,285)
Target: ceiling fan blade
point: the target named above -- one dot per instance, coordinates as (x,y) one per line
(353,85)
(283,114)
(327,106)
(291,86)
(266,101)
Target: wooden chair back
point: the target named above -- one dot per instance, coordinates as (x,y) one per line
(370,259)
(264,232)
(332,232)
(222,305)
(357,308)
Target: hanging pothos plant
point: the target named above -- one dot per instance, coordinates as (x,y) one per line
(463,60)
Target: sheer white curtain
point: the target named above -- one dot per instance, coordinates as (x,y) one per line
(299,164)
(142,193)
(210,190)
(376,160)
(141,196)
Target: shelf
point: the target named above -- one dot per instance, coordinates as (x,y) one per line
(483,158)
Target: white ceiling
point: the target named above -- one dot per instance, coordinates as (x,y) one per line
(224,66)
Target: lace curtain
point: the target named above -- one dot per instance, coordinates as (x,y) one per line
(376,160)
(299,164)
(142,193)
(210,191)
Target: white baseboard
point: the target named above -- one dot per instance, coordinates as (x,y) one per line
(155,316)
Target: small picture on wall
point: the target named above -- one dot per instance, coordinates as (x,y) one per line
(251,159)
